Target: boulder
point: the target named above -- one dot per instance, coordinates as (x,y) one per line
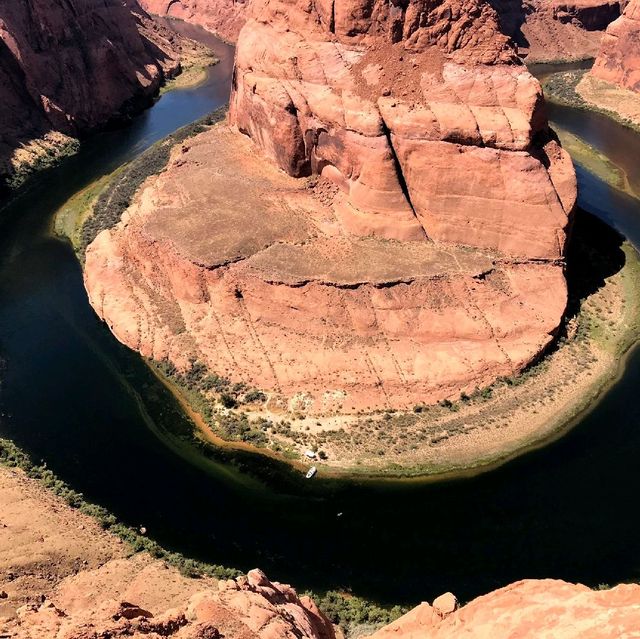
(445,604)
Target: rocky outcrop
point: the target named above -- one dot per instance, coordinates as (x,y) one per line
(528,609)
(65,69)
(618,62)
(98,604)
(424,121)
(224,17)
(409,247)
(547,31)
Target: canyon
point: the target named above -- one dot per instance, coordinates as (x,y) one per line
(399,238)
(382,221)
(224,17)
(64,72)
(65,578)
(543,30)
(555,31)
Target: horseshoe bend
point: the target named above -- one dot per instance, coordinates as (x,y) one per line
(380,222)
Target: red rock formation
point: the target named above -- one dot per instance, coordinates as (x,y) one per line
(619,59)
(556,30)
(529,609)
(98,604)
(69,67)
(420,256)
(223,17)
(423,120)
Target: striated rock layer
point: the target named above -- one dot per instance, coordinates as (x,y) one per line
(527,609)
(223,17)
(618,62)
(410,246)
(65,68)
(423,120)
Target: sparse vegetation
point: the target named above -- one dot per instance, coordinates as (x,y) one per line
(350,612)
(118,194)
(13,457)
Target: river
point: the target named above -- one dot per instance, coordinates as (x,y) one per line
(71,395)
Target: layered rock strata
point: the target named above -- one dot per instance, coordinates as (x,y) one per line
(65,69)
(618,62)
(410,246)
(224,17)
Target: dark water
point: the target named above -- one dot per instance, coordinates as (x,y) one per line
(74,397)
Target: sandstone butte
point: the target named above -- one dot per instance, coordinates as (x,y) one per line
(389,230)
(544,30)
(63,577)
(65,69)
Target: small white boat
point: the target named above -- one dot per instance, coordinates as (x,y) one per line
(312,471)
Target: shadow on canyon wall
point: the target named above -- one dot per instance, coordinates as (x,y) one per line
(594,254)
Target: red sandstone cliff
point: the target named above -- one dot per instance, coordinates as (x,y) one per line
(223,17)
(68,67)
(422,117)
(415,247)
(619,59)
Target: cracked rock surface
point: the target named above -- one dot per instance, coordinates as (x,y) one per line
(389,230)
(619,59)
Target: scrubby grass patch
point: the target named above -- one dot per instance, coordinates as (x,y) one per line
(13,457)
(118,195)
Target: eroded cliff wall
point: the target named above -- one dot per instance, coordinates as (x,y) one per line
(619,59)
(67,67)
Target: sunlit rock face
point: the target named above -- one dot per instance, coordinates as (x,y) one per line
(528,609)
(382,221)
(619,59)
(421,116)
